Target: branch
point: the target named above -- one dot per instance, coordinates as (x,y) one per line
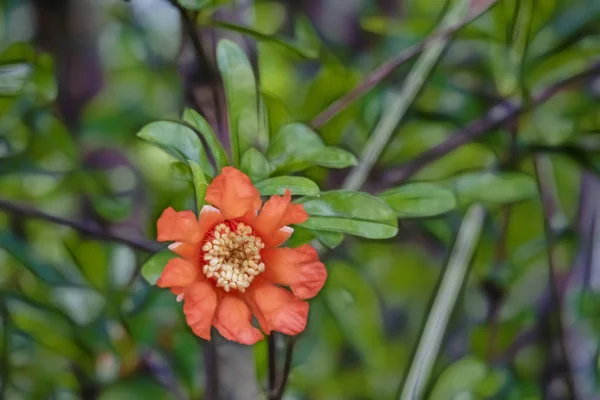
(95,231)
(287,367)
(497,116)
(379,74)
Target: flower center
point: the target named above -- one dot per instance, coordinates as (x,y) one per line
(232,255)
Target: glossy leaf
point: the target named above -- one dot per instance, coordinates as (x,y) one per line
(13,78)
(154,266)
(255,164)
(178,140)
(460,377)
(297,185)
(200,184)
(297,147)
(242,100)
(329,239)
(349,212)
(203,127)
(416,200)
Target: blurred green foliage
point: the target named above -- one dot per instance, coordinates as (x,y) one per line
(78,319)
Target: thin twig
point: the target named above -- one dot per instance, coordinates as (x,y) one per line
(95,231)
(287,367)
(379,74)
(497,116)
(550,210)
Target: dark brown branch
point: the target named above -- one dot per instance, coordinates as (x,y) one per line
(379,74)
(497,116)
(94,231)
(287,367)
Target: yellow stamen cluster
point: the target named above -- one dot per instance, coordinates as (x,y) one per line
(232,257)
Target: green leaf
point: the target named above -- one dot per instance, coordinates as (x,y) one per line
(329,239)
(419,200)
(203,127)
(460,377)
(154,266)
(135,388)
(30,260)
(13,78)
(48,328)
(195,4)
(297,147)
(349,212)
(300,48)
(493,188)
(200,184)
(92,260)
(297,185)
(255,164)
(178,140)
(242,100)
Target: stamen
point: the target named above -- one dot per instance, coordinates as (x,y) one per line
(232,256)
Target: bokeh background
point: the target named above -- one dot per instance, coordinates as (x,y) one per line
(80,193)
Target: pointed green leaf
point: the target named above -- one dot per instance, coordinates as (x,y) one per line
(255,164)
(419,200)
(178,140)
(242,100)
(297,185)
(329,239)
(200,184)
(203,127)
(297,147)
(355,213)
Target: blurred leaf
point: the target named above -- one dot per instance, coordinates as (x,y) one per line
(296,184)
(136,388)
(242,100)
(255,164)
(419,200)
(178,140)
(200,184)
(493,188)
(47,328)
(356,308)
(195,4)
(92,260)
(199,123)
(80,304)
(459,378)
(154,266)
(297,147)
(13,78)
(354,213)
(300,49)
(30,260)
(329,239)
(113,208)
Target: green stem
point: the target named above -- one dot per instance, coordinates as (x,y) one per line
(450,286)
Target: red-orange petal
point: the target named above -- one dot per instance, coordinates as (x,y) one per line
(199,305)
(233,193)
(298,268)
(189,251)
(278,212)
(278,237)
(277,309)
(178,272)
(177,226)
(234,321)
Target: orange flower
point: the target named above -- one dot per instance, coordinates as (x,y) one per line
(231,267)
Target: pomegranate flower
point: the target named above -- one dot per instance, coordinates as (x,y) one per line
(231,266)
